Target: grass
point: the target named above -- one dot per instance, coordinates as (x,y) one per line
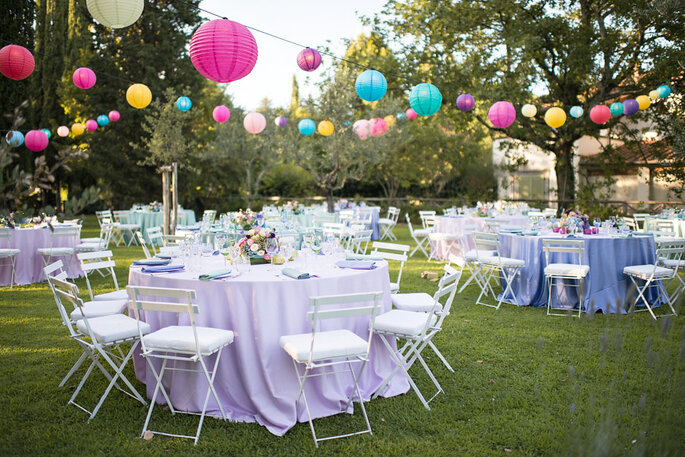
(525,384)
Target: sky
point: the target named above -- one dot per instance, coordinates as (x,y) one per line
(311,23)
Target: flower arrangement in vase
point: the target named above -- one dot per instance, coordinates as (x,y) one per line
(254,244)
(248,219)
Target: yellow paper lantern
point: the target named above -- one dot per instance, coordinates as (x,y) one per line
(325,128)
(77,129)
(555,117)
(654,94)
(643,101)
(138,96)
(390,120)
(529,110)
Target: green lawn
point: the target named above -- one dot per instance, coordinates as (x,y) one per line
(525,384)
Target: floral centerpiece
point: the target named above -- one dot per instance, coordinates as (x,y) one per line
(253,244)
(155,206)
(343,203)
(483,209)
(571,221)
(294,207)
(247,219)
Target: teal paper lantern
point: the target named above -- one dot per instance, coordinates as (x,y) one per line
(183,103)
(616,109)
(306,126)
(425,99)
(14,138)
(47,132)
(576,111)
(664,91)
(102,120)
(371,85)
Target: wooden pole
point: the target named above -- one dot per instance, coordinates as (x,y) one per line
(166,198)
(174,190)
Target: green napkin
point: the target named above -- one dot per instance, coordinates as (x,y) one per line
(214,275)
(294,273)
(351,256)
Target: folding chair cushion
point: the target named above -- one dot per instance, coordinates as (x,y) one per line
(476,254)
(394,287)
(327,345)
(55,252)
(98,309)
(401,322)
(9,252)
(670,263)
(90,240)
(114,295)
(506,262)
(645,271)
(88,246)
(181,338)
(386,221)
(420,301)
(422,232)
(108,329)
(567,269)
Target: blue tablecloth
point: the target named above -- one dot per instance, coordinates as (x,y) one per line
(148,219)
(307,220)
(606,286)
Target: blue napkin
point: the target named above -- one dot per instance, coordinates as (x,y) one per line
(215,275)
(163,269)
(294,273)
(357,264)
(164,256)
(151,262)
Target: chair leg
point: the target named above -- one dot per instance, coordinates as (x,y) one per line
(301,394)
(440,356)
(401,365)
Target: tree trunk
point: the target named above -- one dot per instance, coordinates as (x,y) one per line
(165,199)
(329,200)
(566,180)
(174,195)
(248,177)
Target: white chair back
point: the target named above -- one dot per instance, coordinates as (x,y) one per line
(97,260)
(563,246)
(143,244)
(392,251)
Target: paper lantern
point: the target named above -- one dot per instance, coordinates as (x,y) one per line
(529,110)
(630,107)
(184,103)
(362,128)
(378,126)
(36,140)
(371,85)
(63,131)
(654,94)
(77,129)
(16,62)
(114,115)
(411,114)
(643,101)
(555,117)
(306,126)
(616,109)
(47,133)
(600,114)
(325,128)
(254,123)
(14,138)
(84,78)
(223,50)
(425,99)
(401,116)
(346,123)
(138,96)
(308,59)
(502,114)
(466,102)
(115,14)
(389,120)
(102,120)
(91,125)
(576,111)
(281,121)
(663,91)
(221,114)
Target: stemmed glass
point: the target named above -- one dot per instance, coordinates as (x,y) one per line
(271,248)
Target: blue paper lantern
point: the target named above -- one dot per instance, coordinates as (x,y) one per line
(576,111)
(630,107)
(306,126)
(14,138)
(616,109)
(183,103)
(425,99)
(371,85)
(103,120)
(664,91)
(400,116)
(47,133)
(346,123)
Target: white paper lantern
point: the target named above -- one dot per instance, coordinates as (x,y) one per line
(115,14)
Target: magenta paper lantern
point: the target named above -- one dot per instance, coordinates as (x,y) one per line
(84,78)
(91,125)
(223,50)
(114,115)
(281,121)
(221,114)
(254,123)
(600,114)
(16,62)
(308,59)
(502,114)
(36,140)
(63,131)
(411,114)
(378,126)
(466,102)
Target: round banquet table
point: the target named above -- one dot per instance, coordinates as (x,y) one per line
(147,219)
(256,381)
(29,264)
(605,286)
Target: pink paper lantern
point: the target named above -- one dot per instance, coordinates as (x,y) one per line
(502,114)
(63,131)
(411,114)
(254,123)
(114,115)
(16,62)
(91,125)
(223,50)
(221,114)
(84,78)
(378,126)
(308,59)
(600,114)
(362,128)
(36,140)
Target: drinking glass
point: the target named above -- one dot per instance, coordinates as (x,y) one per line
(271,248)
(219,241)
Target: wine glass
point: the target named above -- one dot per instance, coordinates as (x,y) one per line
(219,241)
(271,248)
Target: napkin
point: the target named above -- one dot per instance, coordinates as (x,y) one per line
(215,275)
(151,262)
(351,256)
(294,273)
(163,256)
(163,269)
(357,264)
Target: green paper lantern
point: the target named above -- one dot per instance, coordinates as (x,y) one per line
(425,99)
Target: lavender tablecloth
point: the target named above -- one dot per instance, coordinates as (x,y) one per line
(256,381)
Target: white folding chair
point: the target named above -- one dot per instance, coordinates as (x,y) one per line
(640,219)
(427,219)
(98,261)
(102,215)
(450,212)
(420,236)
(564,270)
(125,228)
(184,344)
(101,338)
(494,267)
(209,215)
(672,261)
(359,241)
(471,257)
(663,225)
(143,244)
(392,251)
(386,224)
(319,351)
(101,243)
(8,253)
(417,328)
(630,223)
(60,233)
(364,216)
(443,243)
(653,276)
